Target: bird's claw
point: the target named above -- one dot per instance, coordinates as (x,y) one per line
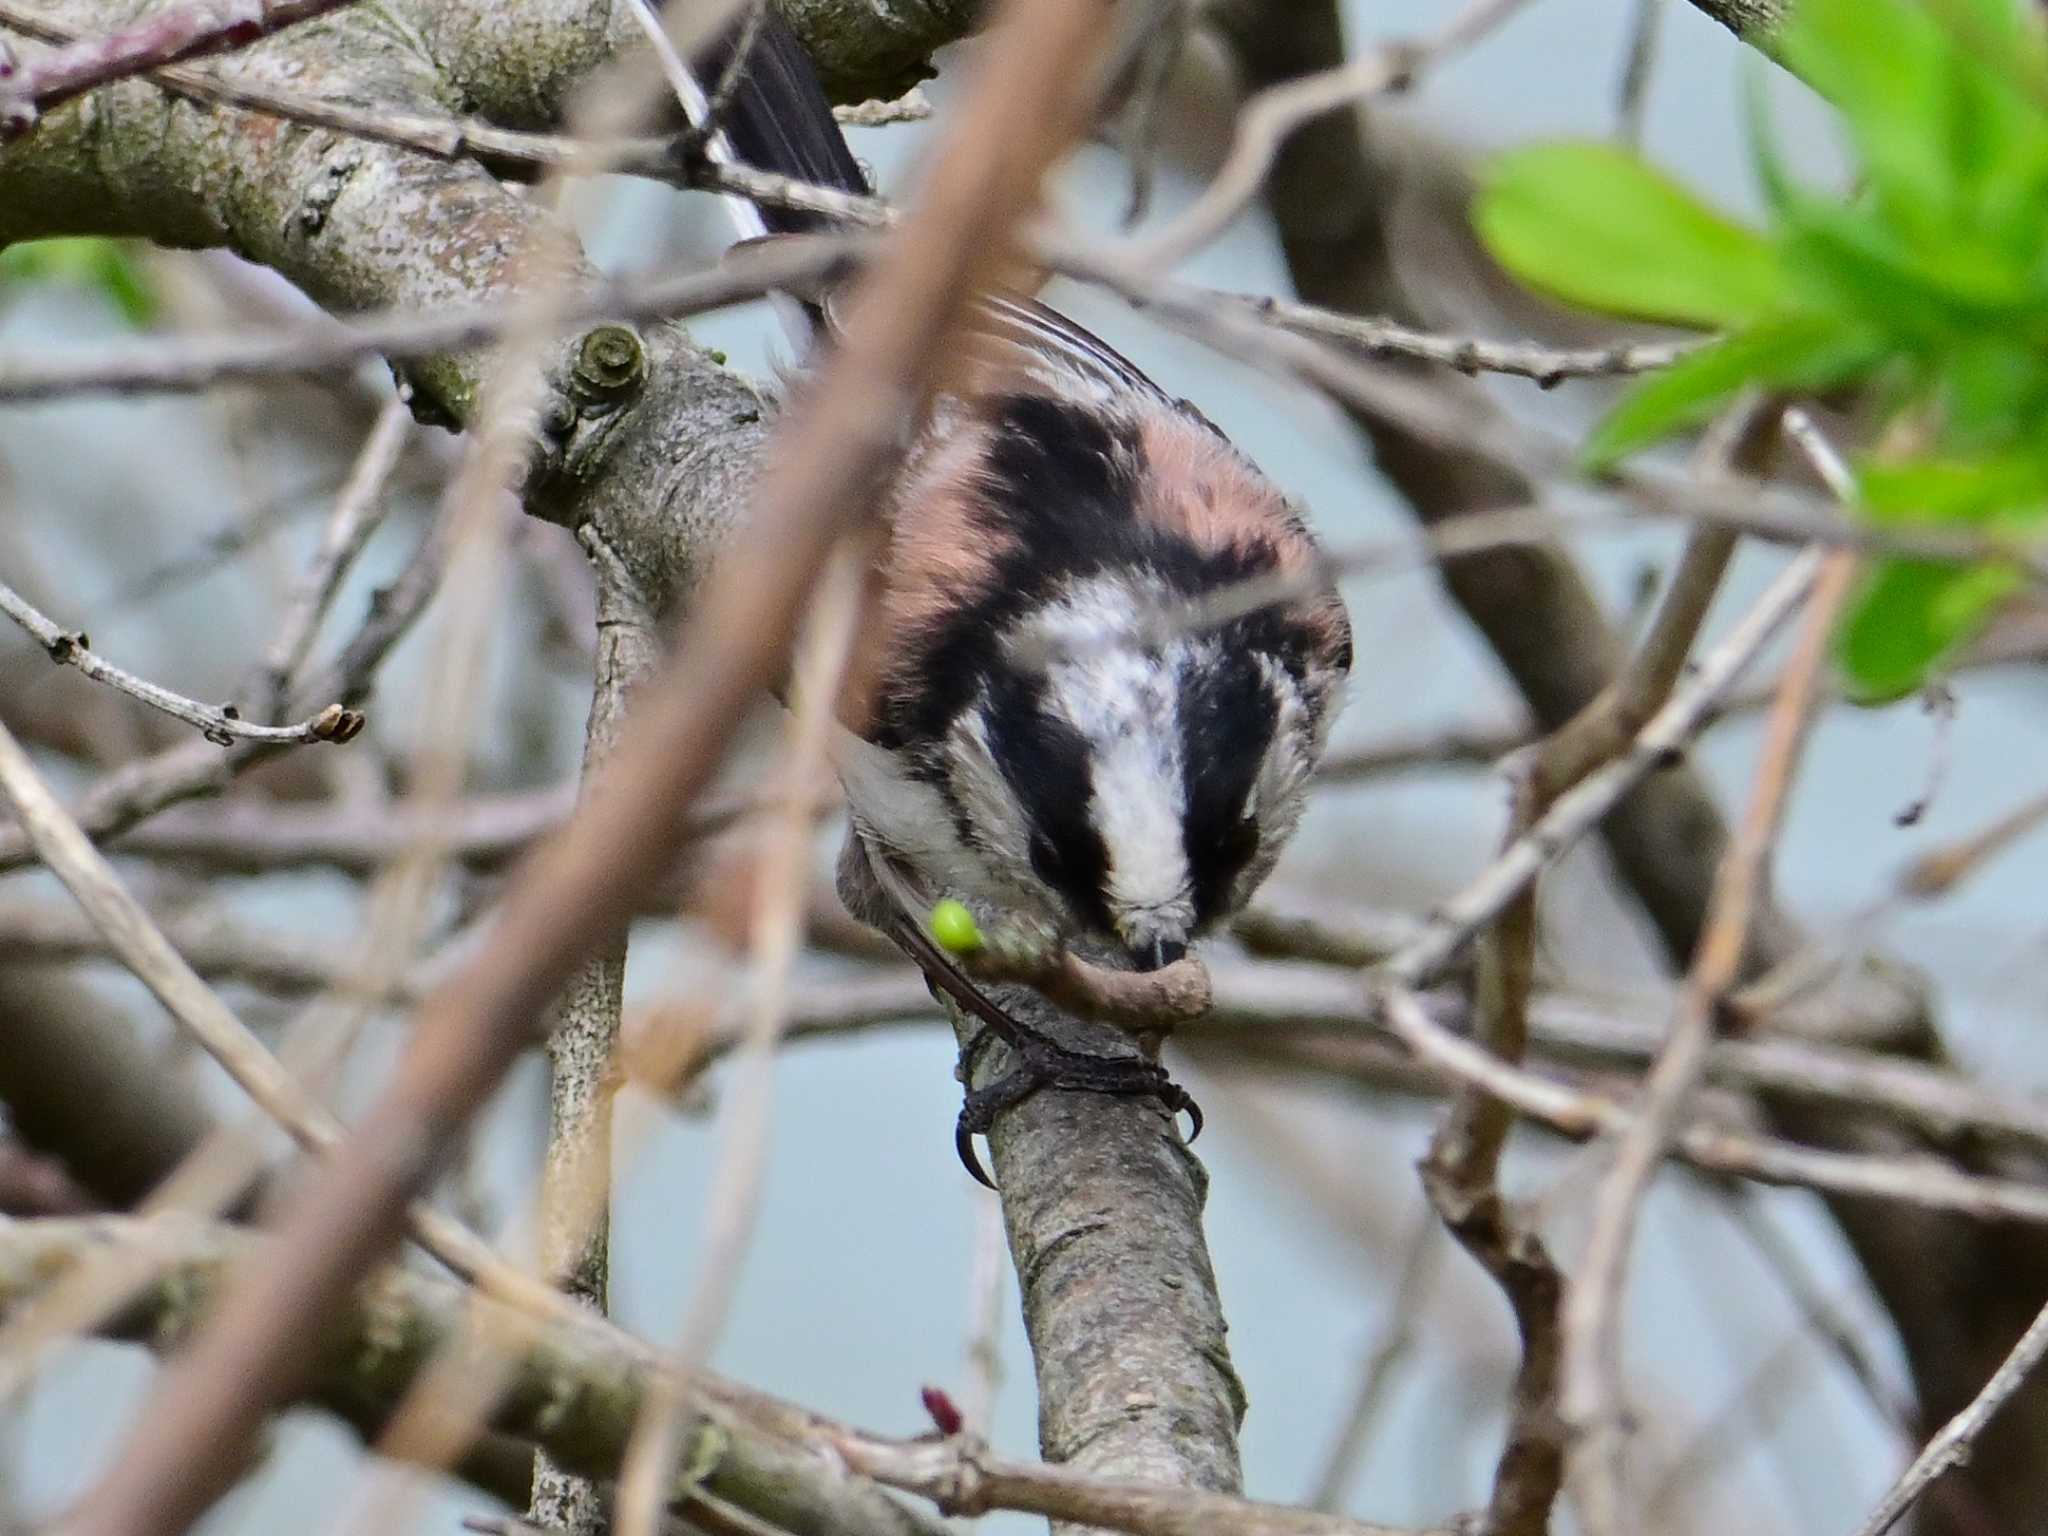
(1042,1064)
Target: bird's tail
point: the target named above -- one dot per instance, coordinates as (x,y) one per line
(775,116)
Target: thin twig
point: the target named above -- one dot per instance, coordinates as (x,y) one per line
(1594,1302)
(1822,1318)
(1265,122)
(913,106)
(1165,27)
(1581,807)
(1639,62)
(1547,366)
(357,512)
(188,31)
(222,725)
(985,1314)
(1462,1170)
(201,362)
(1580,1114)
(139,789)
(1939,871)
(1462,423)
(1395,1340)
(215,947)
(1951,1446)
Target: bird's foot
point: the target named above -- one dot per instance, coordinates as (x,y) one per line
(1042,1063)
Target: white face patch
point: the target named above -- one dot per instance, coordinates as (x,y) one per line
(1125,704)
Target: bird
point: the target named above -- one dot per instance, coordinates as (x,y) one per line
(1022,741)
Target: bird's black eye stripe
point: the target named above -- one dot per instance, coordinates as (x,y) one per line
(1045,761)
(1061,483)
(1228,717)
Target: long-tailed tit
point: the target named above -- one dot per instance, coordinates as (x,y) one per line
(1027,742)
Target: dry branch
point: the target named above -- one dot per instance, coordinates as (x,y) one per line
(175,32)
(576,1390)
(222,724)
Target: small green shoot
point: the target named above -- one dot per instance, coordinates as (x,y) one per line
(954,927)
(1927,288)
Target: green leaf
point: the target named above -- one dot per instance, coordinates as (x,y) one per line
(1596,226)
(1937,98)
(106,266)
(1993,390)
(1891,71)
(2011,486)
(1852,259)
(1878,62)
(1766,160)
(1797,352)
(1909,615)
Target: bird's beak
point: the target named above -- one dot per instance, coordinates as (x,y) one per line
(1157,954)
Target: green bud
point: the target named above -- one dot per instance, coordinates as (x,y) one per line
(954,927)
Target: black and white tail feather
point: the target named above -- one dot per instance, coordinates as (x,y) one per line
(777,118)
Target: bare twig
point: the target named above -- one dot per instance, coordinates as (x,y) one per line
(985,1309)
(1134,1000)
(1639,62)
(1940,704)
(1396,1339)
(1265,121)
(1462,1170)
(1951,1447)
(1940,870)
(1817,1310)
(140,789)
(1547,366)
(222,725)
(213,946)
(165,36)
(1165,33)
(1579,1114)
(1593,1305)
(1579,808)
(1261,1008)
(354,518)
(913,106)
(198,363)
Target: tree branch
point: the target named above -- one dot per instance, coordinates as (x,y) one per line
(577,1390)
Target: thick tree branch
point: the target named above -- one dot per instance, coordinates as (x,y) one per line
(576,1183)
(577,1393)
